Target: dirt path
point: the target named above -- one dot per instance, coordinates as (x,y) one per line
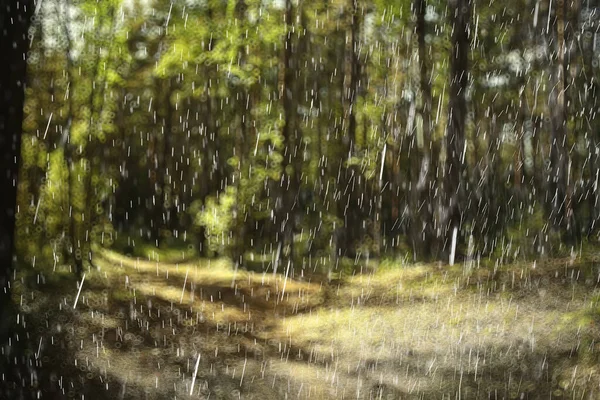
(142,328)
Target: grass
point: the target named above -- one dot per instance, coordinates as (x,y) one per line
(426,331)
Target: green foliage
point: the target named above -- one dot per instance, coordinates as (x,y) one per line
(158,121)
(217,217)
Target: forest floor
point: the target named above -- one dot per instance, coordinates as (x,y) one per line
(161,330)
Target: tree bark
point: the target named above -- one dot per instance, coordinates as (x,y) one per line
(289,182)
(423,183)
(560,207)
(74,247)
(165,171)
(14,25)
(352,184)
(460,14)
(241,136)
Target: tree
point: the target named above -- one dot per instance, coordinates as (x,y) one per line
(560,193)
(288,185)
(14,25)
(326,129)
(460,14)
(353,182)
(421,175)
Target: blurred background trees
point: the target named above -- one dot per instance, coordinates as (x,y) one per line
(299,134)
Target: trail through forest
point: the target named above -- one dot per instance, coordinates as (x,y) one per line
(156,330)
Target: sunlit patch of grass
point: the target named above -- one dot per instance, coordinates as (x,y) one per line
(217,272)
(471,319)
(171,250)
(211,288)
(115,262)
(420,282)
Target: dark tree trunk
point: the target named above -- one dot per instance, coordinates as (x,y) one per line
(423,228)
(352,183)
(166,171)
(460,14)
(240,140)
(593,92)
(160,159)
(560,196)
(14,24)
(90,149)
(74,247)
(288,185)
(354,76)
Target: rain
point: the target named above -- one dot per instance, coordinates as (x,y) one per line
(325,199)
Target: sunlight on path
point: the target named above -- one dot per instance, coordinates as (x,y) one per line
(163,329)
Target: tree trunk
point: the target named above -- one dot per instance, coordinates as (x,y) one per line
(88,211)
(560,207)
(428,163)
(14,24)
(74,249)
(288,187)
(166,172)
(241,135)
(460,14)
(352,184)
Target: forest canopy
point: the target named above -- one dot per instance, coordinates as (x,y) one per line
(310,130)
